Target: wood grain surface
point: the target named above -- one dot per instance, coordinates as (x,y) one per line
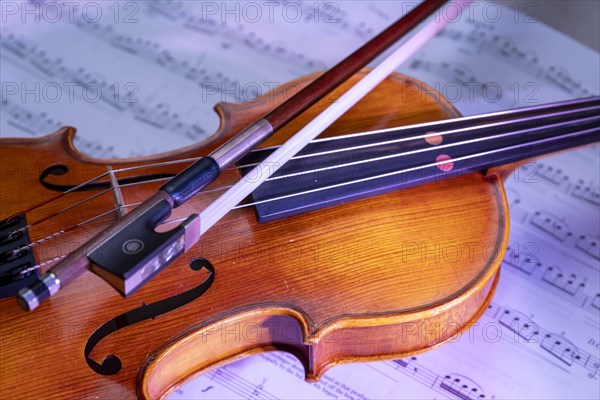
(378,278)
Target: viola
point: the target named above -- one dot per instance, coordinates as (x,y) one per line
(328,260)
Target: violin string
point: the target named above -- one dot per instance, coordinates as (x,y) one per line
(82,185)
(360,134)
(98,216)
(421,150)
(118,186)
(58,233)
(62,211)
(58,196)
(361,180)
(397,129)
(96,178)
(58,258)
(405,139)
(374,159)
(424,125)
(402,171)
(378,132)
(351,148)
(77,225)
(43,263)
(427,149)
(92,197)
(424,136)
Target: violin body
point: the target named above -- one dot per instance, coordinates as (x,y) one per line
(378,278)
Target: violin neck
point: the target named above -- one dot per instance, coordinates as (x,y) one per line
(334,171)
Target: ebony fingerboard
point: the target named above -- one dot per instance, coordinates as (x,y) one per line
(322,176)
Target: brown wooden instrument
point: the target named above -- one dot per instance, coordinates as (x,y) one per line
(378,278)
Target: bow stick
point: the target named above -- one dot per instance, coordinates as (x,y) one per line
(234,195)
(130,252)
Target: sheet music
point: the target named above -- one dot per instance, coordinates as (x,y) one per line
(142,77)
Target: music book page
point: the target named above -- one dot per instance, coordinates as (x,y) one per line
(138,78)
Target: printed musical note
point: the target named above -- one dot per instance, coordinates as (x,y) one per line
(587,192)
(477,34)
(551,225)
(38,124)
(155,113)
(553,175)
(20,46)
(409,364)
(336,18)
(160,116)
(35,124)
(136,46)
(238,385)
(167,8)
(505,48)
(481,39)
(562,78)
(461,76)
(257,392)
(569,284)
(455,385)
(94,147)
(197,72)
(87,78)
(95,29)
(526,264)
(452,34)
(558,229)
(596,301)
(590,245)
(517,212)
(561,348)
(207,25)
(454,72)
(555,344)
(520,324)
(462,387)
(27,50)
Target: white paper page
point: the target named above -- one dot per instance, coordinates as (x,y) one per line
(141,78)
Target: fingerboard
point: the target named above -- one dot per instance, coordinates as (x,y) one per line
(331,172)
